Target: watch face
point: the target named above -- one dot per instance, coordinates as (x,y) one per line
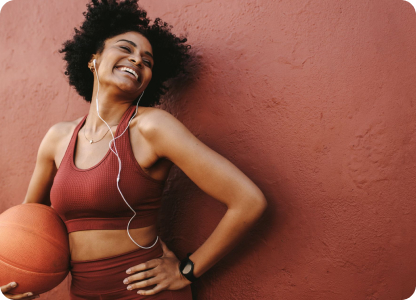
(187,268)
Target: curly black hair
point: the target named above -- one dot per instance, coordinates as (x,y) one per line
(106,19)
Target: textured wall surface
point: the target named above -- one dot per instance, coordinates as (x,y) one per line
(313,100)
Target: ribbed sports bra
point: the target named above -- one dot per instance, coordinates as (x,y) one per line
(88,199)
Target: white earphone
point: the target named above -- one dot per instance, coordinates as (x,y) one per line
(119,161)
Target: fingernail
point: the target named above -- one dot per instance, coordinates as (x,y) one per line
(128,271)
(29,294)
(13,284)
(126,281)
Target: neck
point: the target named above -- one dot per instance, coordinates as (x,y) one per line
(111,107)
(110,112)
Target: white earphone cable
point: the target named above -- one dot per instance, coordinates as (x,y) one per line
(119,160)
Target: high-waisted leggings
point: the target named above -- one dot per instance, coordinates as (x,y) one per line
(102,279)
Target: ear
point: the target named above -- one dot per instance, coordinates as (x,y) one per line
(91,63)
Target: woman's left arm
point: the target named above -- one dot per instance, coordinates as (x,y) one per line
(217,177)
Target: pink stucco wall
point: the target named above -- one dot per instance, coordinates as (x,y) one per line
(313,100)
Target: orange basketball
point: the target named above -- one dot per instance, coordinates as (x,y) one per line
(34,248)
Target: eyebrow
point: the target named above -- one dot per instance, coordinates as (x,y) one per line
(134,44)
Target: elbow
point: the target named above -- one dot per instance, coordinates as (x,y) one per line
(250,208)
(256,207)
(261,205)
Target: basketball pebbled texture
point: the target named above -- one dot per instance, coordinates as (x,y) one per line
(34,248)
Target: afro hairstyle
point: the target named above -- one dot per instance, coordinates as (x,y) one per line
(105,19)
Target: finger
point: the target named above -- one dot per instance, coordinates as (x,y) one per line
(25,296)
(140,276)
(153,291)
(143,283)
(8,287)
(144,266)
(166,251)
(164,247)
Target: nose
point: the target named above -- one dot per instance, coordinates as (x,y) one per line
(137,61)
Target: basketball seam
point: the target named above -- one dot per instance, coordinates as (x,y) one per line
(37,273)
(27,229)
(33,232)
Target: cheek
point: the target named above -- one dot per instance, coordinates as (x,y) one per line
(104,70)
(149,75)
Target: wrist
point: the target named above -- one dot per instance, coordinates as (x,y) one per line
(196,271)
(183,278)
(186,269)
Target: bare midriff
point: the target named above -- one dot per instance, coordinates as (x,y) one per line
(96,244)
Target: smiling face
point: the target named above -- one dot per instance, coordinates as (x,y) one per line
(129,50)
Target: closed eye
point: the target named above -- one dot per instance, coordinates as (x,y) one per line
(148,63)
(125,48)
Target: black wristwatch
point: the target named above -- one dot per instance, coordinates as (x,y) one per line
(186,267)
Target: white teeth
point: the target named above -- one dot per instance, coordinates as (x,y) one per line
(131,71)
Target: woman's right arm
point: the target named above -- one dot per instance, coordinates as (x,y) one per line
(45,169)
(39,187)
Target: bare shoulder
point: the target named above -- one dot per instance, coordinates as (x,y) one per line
(154,120)
(57,135)
(60,130)
(161,130)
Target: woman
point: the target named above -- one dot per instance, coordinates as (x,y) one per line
(122,61)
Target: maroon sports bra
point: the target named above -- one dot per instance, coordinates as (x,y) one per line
(88,199)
